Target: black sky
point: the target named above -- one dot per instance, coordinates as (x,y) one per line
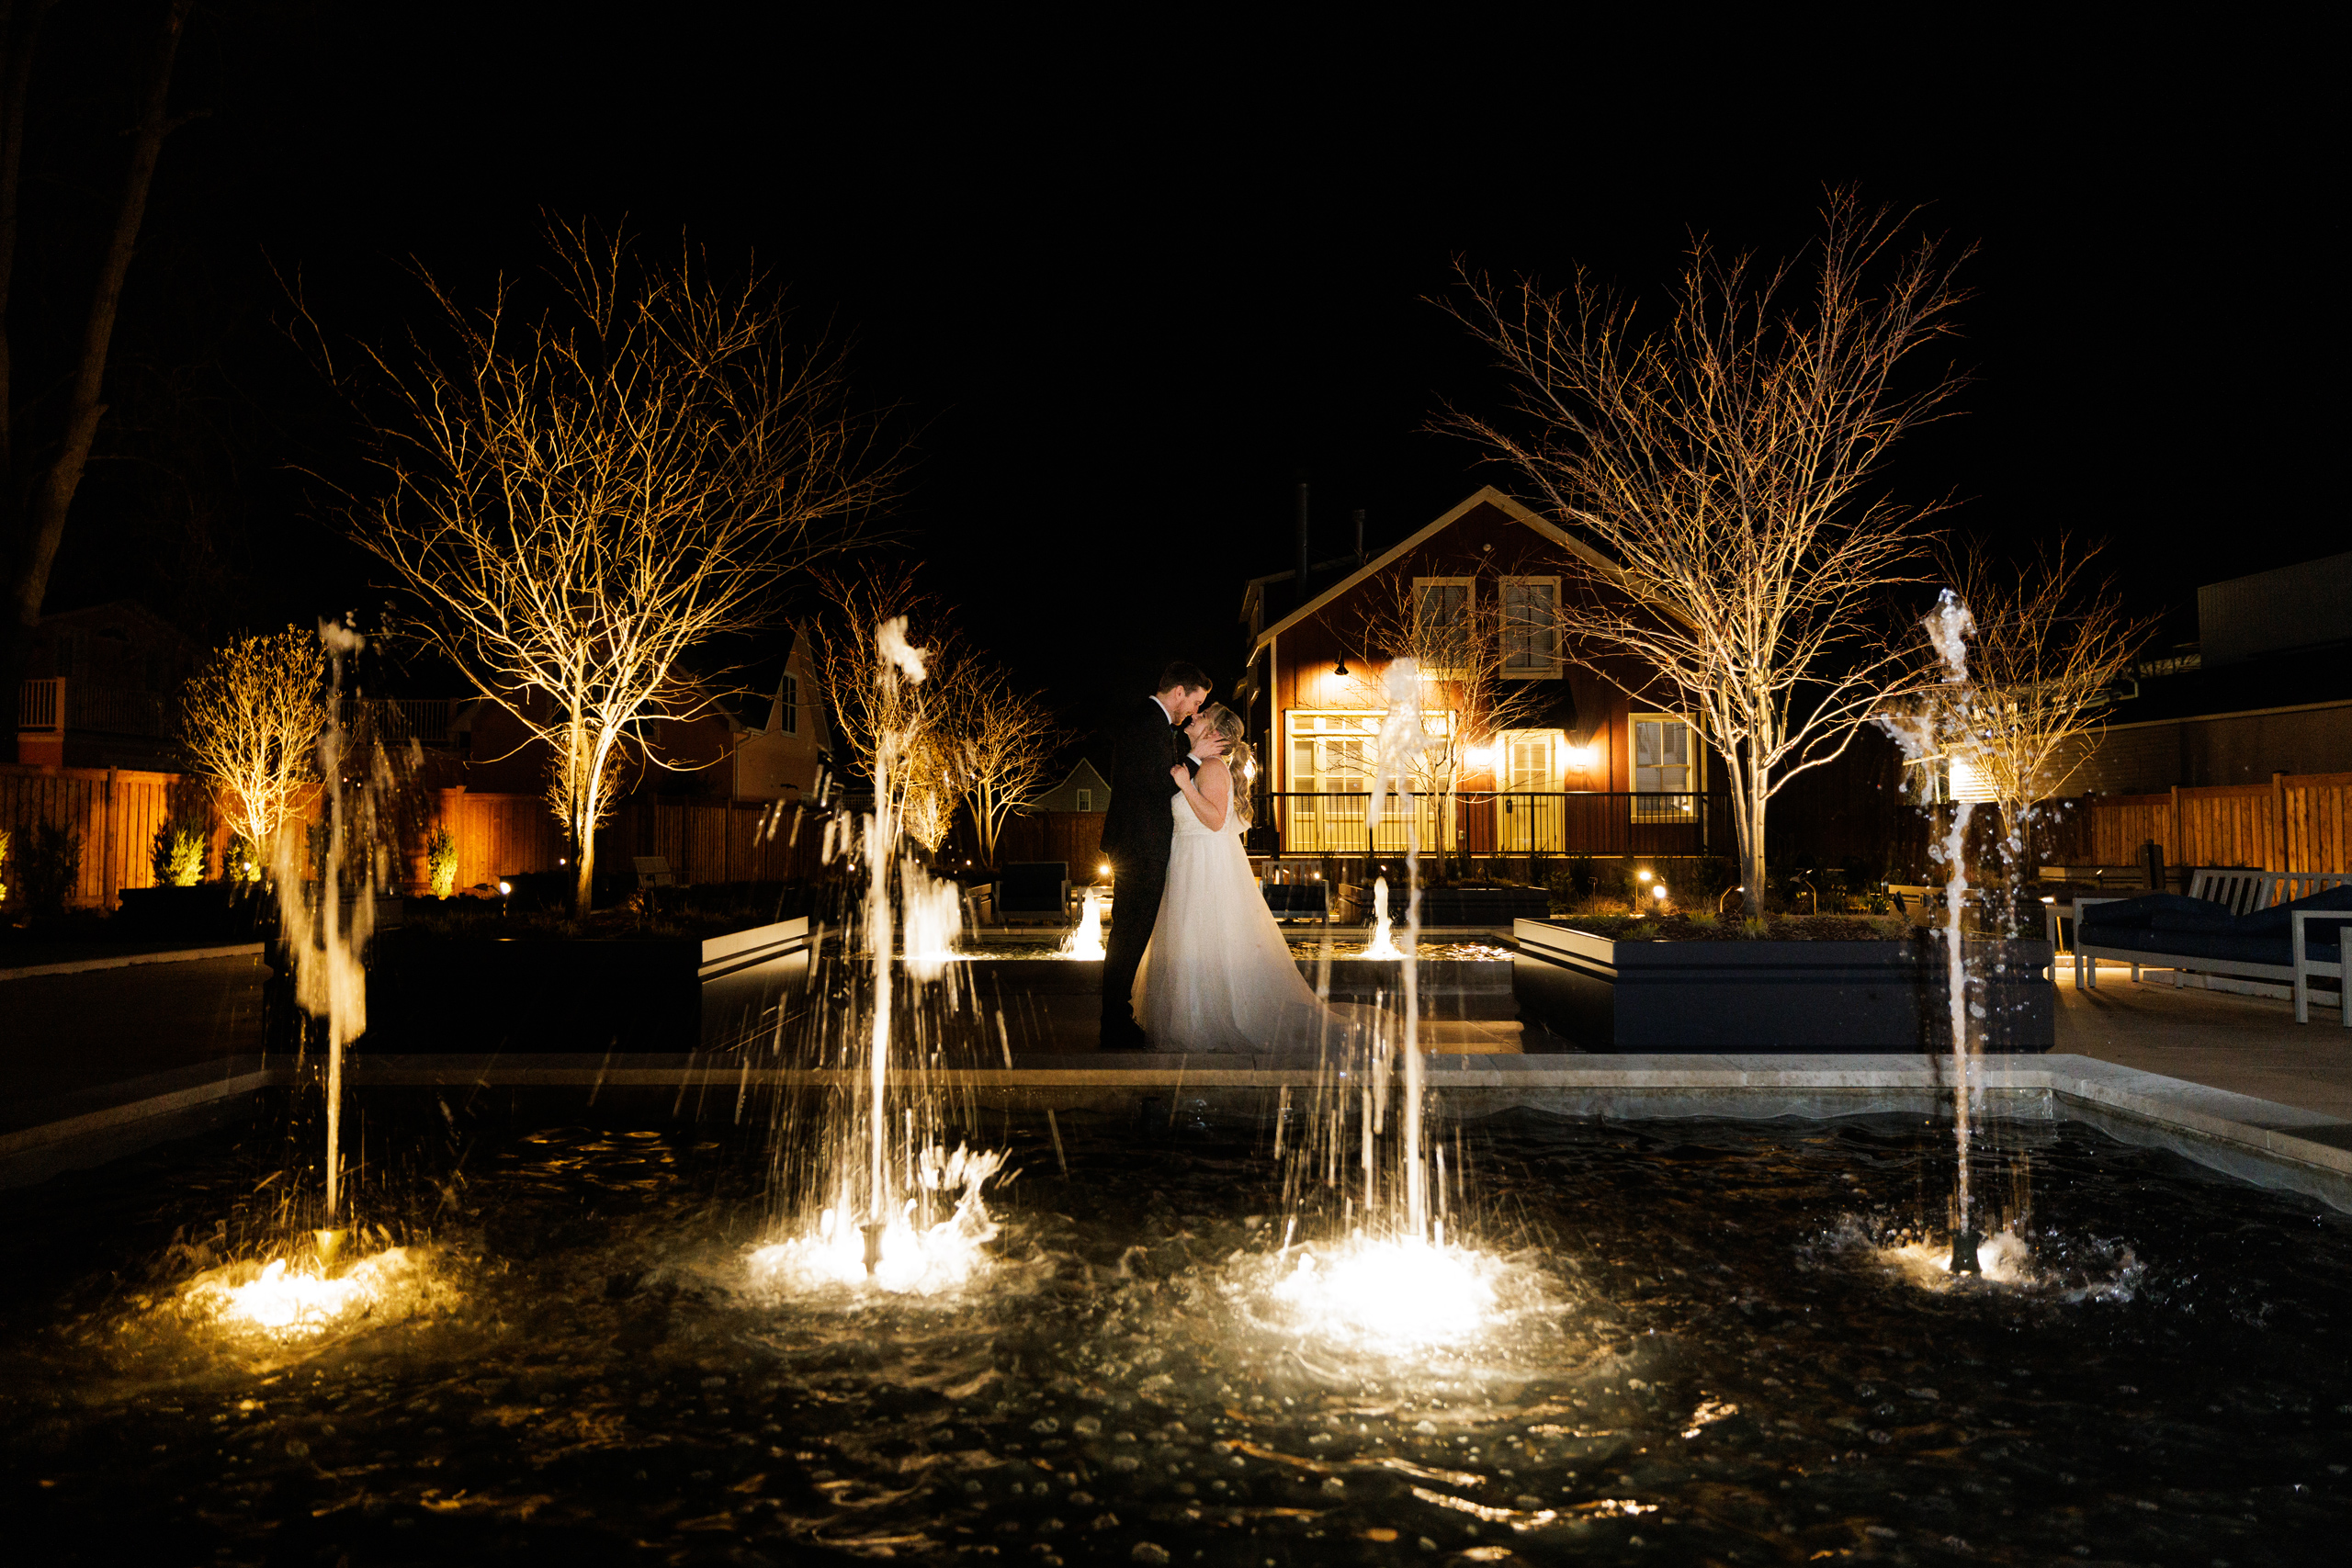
(1127,292)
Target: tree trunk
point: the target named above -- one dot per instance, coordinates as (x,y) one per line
(1751,850)
(583,832)
(33,537)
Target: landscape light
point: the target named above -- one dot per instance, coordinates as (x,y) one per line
(504,889)
(1659,892)
(1102,870)
(1644,875)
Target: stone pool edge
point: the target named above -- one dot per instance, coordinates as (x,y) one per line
(2269,1144)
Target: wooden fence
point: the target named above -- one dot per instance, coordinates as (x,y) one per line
(114,813)
(2296,822)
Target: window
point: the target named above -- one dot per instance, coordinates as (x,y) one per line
(788,705)
(1331,753)
(1086,800)
(1445,608)
(1328,786)
(1665,763)
(1531,628)
(1527,761)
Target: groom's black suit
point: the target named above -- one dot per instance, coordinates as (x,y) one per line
(1137,830)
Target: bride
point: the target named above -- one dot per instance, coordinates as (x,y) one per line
(1218,975)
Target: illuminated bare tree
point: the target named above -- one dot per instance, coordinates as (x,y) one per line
(249,720)
(868,713)
(580,497)
(1730,462)
(1003,740)
(1481,653)
(2050,645)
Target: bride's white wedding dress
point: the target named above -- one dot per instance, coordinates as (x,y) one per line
(1218,975)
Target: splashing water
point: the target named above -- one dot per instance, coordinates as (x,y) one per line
(1397,1279)
(1086,941)
(316,1287)
(1383,944)
(329,981)
(885,1204)
(289,1300)
(907,1255)
(935,918)
(1940,729)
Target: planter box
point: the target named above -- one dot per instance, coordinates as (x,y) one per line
(427,994)
(1810,997)
(1448,988)
(207,912)
(1495,906)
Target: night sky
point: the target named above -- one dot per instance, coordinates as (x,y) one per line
(1125,292)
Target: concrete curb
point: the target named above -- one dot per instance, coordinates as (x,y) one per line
(2258,1141)
(125,960)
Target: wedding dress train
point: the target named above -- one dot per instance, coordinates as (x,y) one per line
(1218,975)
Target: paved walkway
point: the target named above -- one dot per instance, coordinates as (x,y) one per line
(2245,1044)
(67,1035)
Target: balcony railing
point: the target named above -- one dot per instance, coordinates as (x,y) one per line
(57,703)
(421,718)
(1490,822)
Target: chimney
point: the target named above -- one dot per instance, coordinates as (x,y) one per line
(1302,542)
(1359,539)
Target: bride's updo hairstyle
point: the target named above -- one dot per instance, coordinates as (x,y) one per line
(1238,757)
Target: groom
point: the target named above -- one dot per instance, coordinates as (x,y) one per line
(1137,830)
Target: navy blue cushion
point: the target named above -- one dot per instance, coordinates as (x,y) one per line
(2279,920)
(2160,911)
(2235,946)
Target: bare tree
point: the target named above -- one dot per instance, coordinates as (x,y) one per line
(2049,644)
(872,714)
(580,497)
(1728,462)
(1002,739)
(1482,658)
(250,719)
(41,465)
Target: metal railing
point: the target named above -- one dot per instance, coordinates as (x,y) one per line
(422,718)
(60,703)
(1492,822)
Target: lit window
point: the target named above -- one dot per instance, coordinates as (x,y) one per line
(788,705)
(1086,800)
(1665,765)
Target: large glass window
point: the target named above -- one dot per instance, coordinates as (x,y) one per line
(1666,763)
(1332,757)
(1531,628)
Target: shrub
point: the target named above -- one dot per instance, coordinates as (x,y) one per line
(8,837)
(241,861)
(51,867)
(441,862)
(179,854)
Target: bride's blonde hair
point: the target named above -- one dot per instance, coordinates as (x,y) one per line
(1238,757)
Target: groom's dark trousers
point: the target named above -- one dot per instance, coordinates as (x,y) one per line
(1137,829)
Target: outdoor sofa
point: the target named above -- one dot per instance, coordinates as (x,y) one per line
(2229,922)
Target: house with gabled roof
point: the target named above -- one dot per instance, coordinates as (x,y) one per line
(1587,756)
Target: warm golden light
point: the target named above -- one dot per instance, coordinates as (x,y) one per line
(911,1259)
(1401,1292)
(300,1301)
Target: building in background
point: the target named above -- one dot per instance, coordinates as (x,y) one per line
(103,689)
(1593,761)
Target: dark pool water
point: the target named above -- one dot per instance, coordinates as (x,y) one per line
(606,1391)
